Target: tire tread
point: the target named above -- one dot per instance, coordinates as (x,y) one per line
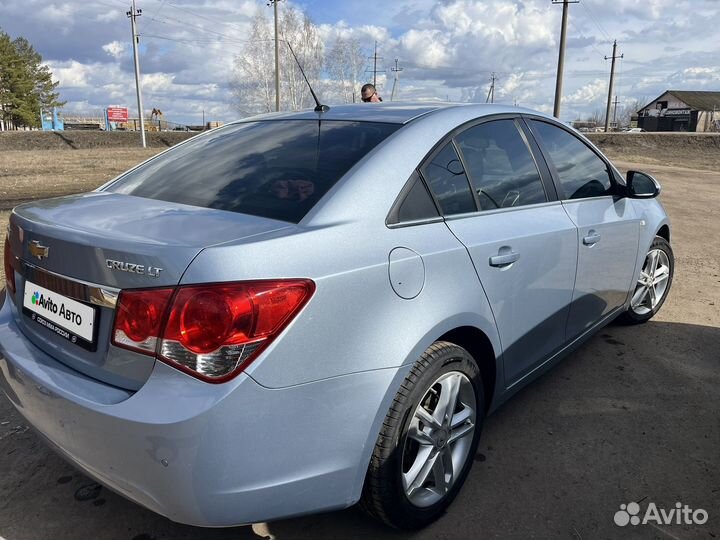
(377,493)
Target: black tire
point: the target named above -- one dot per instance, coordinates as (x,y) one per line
(384,496)
(637,315)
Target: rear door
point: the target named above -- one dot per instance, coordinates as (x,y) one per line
(608,229)
(522,243)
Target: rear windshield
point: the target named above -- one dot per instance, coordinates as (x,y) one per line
(275,169)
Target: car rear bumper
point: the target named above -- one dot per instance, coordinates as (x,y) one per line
(203,454)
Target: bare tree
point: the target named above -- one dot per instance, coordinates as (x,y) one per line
(253,80)
(345,63)
(298,29)
(625,113)
(597,117)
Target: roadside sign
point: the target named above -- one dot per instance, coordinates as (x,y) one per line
(117,114)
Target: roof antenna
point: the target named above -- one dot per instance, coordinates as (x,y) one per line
(318,106)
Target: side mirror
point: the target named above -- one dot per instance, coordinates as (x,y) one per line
(642,186)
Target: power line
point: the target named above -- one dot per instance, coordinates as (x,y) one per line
(205,17)
(201,41)
(182,23)
(581,35)
(596,21)
(157,12)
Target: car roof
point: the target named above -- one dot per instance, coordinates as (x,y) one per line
(388,112)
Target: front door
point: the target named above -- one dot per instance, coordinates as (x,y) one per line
(608,229)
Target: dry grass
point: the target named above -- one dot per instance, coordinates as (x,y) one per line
(29,175)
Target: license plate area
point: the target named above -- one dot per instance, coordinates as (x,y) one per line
(67,318)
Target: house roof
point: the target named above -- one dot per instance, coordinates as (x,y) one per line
(702,101)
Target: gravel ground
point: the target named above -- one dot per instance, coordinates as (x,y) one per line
(633,415)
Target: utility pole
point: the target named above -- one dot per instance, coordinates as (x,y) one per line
(274,4)
(561,55)
(615,103)
(375,70)
(375,66)
(610,87)
(491,93)
(133,14)
(397,71)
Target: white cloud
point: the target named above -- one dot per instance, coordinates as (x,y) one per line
(115,48)
(447,48)
(56,12)
(71,74)
(157,82)
(591,93)
(429,48)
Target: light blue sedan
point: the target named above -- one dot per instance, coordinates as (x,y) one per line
(297,312)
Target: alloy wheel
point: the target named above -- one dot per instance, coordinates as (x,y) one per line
(438,439)
(653,283)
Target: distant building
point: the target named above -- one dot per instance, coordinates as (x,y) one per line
(584,125)
(679,110)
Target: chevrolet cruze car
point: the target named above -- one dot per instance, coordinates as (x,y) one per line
(298,312)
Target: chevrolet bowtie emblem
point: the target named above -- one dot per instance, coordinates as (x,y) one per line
(38,250)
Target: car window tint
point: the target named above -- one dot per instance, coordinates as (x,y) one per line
(582,173)
(417,203)
(500,166)
(274,169)
(446,178)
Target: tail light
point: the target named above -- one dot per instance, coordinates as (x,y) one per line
(212,332)
(138,319)
(8,268)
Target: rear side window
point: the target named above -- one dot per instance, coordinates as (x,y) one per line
(415,203)
(274,169)
(582,173)
(446,178)
(501,168)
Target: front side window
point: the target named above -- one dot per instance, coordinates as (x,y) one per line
(274,169)
(501,168)
(581,172)
(446,179)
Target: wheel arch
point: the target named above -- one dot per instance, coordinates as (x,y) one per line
(475,334)
(664,232)
(477,343)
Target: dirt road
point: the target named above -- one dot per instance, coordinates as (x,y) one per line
(633,415)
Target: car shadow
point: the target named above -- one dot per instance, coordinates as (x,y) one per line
(631,414)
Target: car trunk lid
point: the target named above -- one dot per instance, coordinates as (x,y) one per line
(76,253)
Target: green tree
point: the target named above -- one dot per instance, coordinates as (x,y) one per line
(26,84)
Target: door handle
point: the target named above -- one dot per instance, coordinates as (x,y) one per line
(504,259)
(591,239)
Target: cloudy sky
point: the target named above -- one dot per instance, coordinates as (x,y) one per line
(447,49)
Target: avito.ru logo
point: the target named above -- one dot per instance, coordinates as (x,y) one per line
(629,514)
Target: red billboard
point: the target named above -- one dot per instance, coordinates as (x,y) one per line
(117,114)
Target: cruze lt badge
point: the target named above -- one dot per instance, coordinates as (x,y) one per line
(37,250)
(133,268)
